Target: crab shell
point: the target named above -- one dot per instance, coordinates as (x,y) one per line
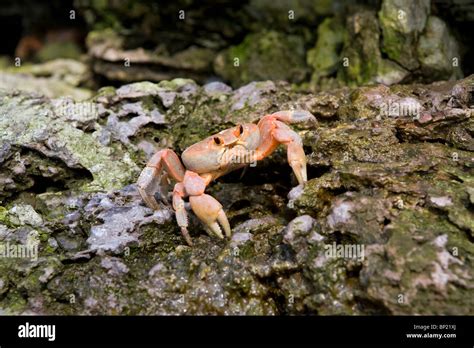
(221,151)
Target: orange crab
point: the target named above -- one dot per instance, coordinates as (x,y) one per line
(215,156)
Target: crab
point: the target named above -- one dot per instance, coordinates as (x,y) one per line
(215,156)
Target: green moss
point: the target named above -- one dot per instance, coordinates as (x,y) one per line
(107,35)
(105,93)
(174,84)
(324,58)
(161,239)
(254,59)
(108,174)
(402,22)
(110,167)
(4,215)
(393,45)
(361,54)
(15,303)
(59,50)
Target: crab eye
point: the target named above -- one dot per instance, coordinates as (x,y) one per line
(218,140)
(239,130)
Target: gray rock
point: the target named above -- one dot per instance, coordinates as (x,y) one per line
(119,227)
(250,94)
(371,185)
(23,214)
(340,214)
(216,87)
(114,265)
(239,238)
(300,225)
(402,22)
(438,51)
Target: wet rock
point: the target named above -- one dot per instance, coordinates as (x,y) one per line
(300,225)
(83,115)
(407,284)
(135,43)
(256,225)
(239,238)
(137,90)
(48,87)
(441,202)
(67,242)
(383,225)
(167,91)
(340,214)
(389,73)
(124,130)
(73,72)
(323,105)
(394,219)
(117,230)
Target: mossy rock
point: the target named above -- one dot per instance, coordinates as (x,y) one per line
(268,55)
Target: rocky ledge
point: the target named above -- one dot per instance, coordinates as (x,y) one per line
(390,179)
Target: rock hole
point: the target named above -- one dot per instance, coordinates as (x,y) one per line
(43,184)
(317,171)
(128,117)
(241,204)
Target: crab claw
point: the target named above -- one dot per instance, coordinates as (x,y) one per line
(186,236)
(297,161)
(210,212)
(162,166)
(148,183)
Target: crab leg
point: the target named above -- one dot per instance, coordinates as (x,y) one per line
(294,147)
(274,132)
(152,176)
(294,116)
(180,211)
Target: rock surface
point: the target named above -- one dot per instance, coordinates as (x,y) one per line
(390,180)
(302,41)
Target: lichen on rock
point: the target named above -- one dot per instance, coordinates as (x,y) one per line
(394,183)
